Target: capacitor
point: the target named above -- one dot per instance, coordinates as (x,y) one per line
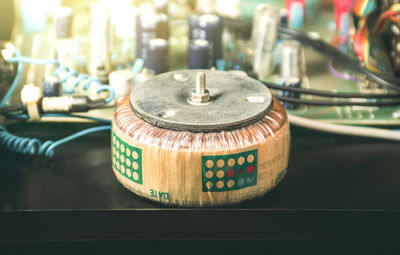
(148,27)
(145,31)
(208,27)
(200,54)
(51,86)
(292,59)
(122,82)
(292,82)
(63,32)
(157,56)
(284,18)
(265,30)
(63,22)
(162,26)
(99,39)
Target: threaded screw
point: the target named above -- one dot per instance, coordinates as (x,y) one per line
(200,95)
(200,83)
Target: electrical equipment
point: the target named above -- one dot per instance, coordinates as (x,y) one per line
(292,59)
(99,41)
(149,26)
(293,82)
(264,34)
(208,27)
(51,87)
(200,54)
(122,82)
(63,22)
(158,55)
(200,138)
(351,82)
(296,10)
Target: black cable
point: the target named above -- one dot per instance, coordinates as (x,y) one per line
(12,108)
(328,93)
(340,57)
(328,50)
(337,103)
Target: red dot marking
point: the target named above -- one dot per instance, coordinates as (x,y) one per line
(250,169)
(241,170)
(231,173)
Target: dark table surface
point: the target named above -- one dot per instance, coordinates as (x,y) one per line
(336,188)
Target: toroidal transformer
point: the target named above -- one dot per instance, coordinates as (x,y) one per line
(200,138)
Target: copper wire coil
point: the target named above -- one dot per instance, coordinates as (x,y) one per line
(142,131)
(270,136)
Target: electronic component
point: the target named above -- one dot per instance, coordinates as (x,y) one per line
(158,56)
(162,27)
(200,54)
(51,87)
(373,90)
(99,40)
(265,30)
(292,82)
(122,82)
(199,138)
(296,13)
(292,59)
(69,104)
(63,32)
(63,22)
(284,18)
(34,15)
(208,27)
(342,15)
(148,27)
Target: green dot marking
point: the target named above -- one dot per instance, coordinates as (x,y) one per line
(132,166)
(234,175)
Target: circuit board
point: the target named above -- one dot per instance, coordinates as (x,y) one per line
(38,45)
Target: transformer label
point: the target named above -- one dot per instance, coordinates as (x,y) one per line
(229,172)
(127,159)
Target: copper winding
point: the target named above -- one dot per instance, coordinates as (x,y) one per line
(142,131)
(172,170)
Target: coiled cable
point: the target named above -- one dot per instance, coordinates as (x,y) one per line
(85,80)
(33,146)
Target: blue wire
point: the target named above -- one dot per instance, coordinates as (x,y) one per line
(15,83)
(137,66)
(21,59)
(29,145)
(26,116)
(49,152)
(87,81)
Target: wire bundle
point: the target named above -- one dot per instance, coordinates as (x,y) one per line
(363,9)
(338,56)
(32,146)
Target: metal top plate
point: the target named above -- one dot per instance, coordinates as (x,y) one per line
(238,101)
